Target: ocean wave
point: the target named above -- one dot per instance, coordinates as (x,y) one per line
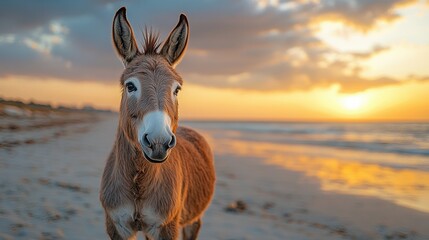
(398,138)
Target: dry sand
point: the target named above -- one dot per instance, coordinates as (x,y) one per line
(50,182)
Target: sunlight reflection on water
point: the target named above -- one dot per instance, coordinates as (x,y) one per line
(338,170)
(402,186)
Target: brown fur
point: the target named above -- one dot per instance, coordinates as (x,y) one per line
(177,190)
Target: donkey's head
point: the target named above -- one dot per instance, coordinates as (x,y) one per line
(149,107)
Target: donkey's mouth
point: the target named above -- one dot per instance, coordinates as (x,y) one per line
(154,160)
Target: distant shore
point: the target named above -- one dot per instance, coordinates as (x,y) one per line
(18,108)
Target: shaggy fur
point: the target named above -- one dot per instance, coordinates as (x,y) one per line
(156,198)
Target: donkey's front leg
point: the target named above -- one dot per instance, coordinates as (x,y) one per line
(170,231)
(118,223)
(118,232)
(190,232)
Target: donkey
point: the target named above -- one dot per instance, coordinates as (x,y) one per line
(159,177)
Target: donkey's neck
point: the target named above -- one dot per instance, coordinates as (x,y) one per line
(130,161)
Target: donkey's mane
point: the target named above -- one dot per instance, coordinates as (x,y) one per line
(151,41)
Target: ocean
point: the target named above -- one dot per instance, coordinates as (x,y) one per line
(389,161)
(398,138)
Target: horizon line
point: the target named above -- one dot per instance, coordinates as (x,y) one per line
(332,120)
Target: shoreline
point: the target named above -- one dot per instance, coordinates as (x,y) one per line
(49,190)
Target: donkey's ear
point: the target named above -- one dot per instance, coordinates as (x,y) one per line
(176,43)
(123,37)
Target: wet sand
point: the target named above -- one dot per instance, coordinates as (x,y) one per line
(49,190)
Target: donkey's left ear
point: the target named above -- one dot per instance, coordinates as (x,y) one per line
(175,45)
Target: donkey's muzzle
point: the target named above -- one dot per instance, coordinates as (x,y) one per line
(156,150)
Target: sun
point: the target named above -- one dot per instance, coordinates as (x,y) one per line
(352,103)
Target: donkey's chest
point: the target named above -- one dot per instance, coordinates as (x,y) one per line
(144,208)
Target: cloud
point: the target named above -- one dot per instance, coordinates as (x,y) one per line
(243,44)
(362,14)
(22,15)
(44,42)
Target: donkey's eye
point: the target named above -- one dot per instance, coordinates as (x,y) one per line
(130,87)
(177,90)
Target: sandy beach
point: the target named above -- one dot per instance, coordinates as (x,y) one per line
(50,181)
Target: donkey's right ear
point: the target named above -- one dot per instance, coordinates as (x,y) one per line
(123,37)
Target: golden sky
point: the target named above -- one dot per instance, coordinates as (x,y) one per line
(338,66)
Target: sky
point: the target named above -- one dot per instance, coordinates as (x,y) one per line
(246,60)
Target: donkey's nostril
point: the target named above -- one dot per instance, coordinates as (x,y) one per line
(172,142)
(146,141)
